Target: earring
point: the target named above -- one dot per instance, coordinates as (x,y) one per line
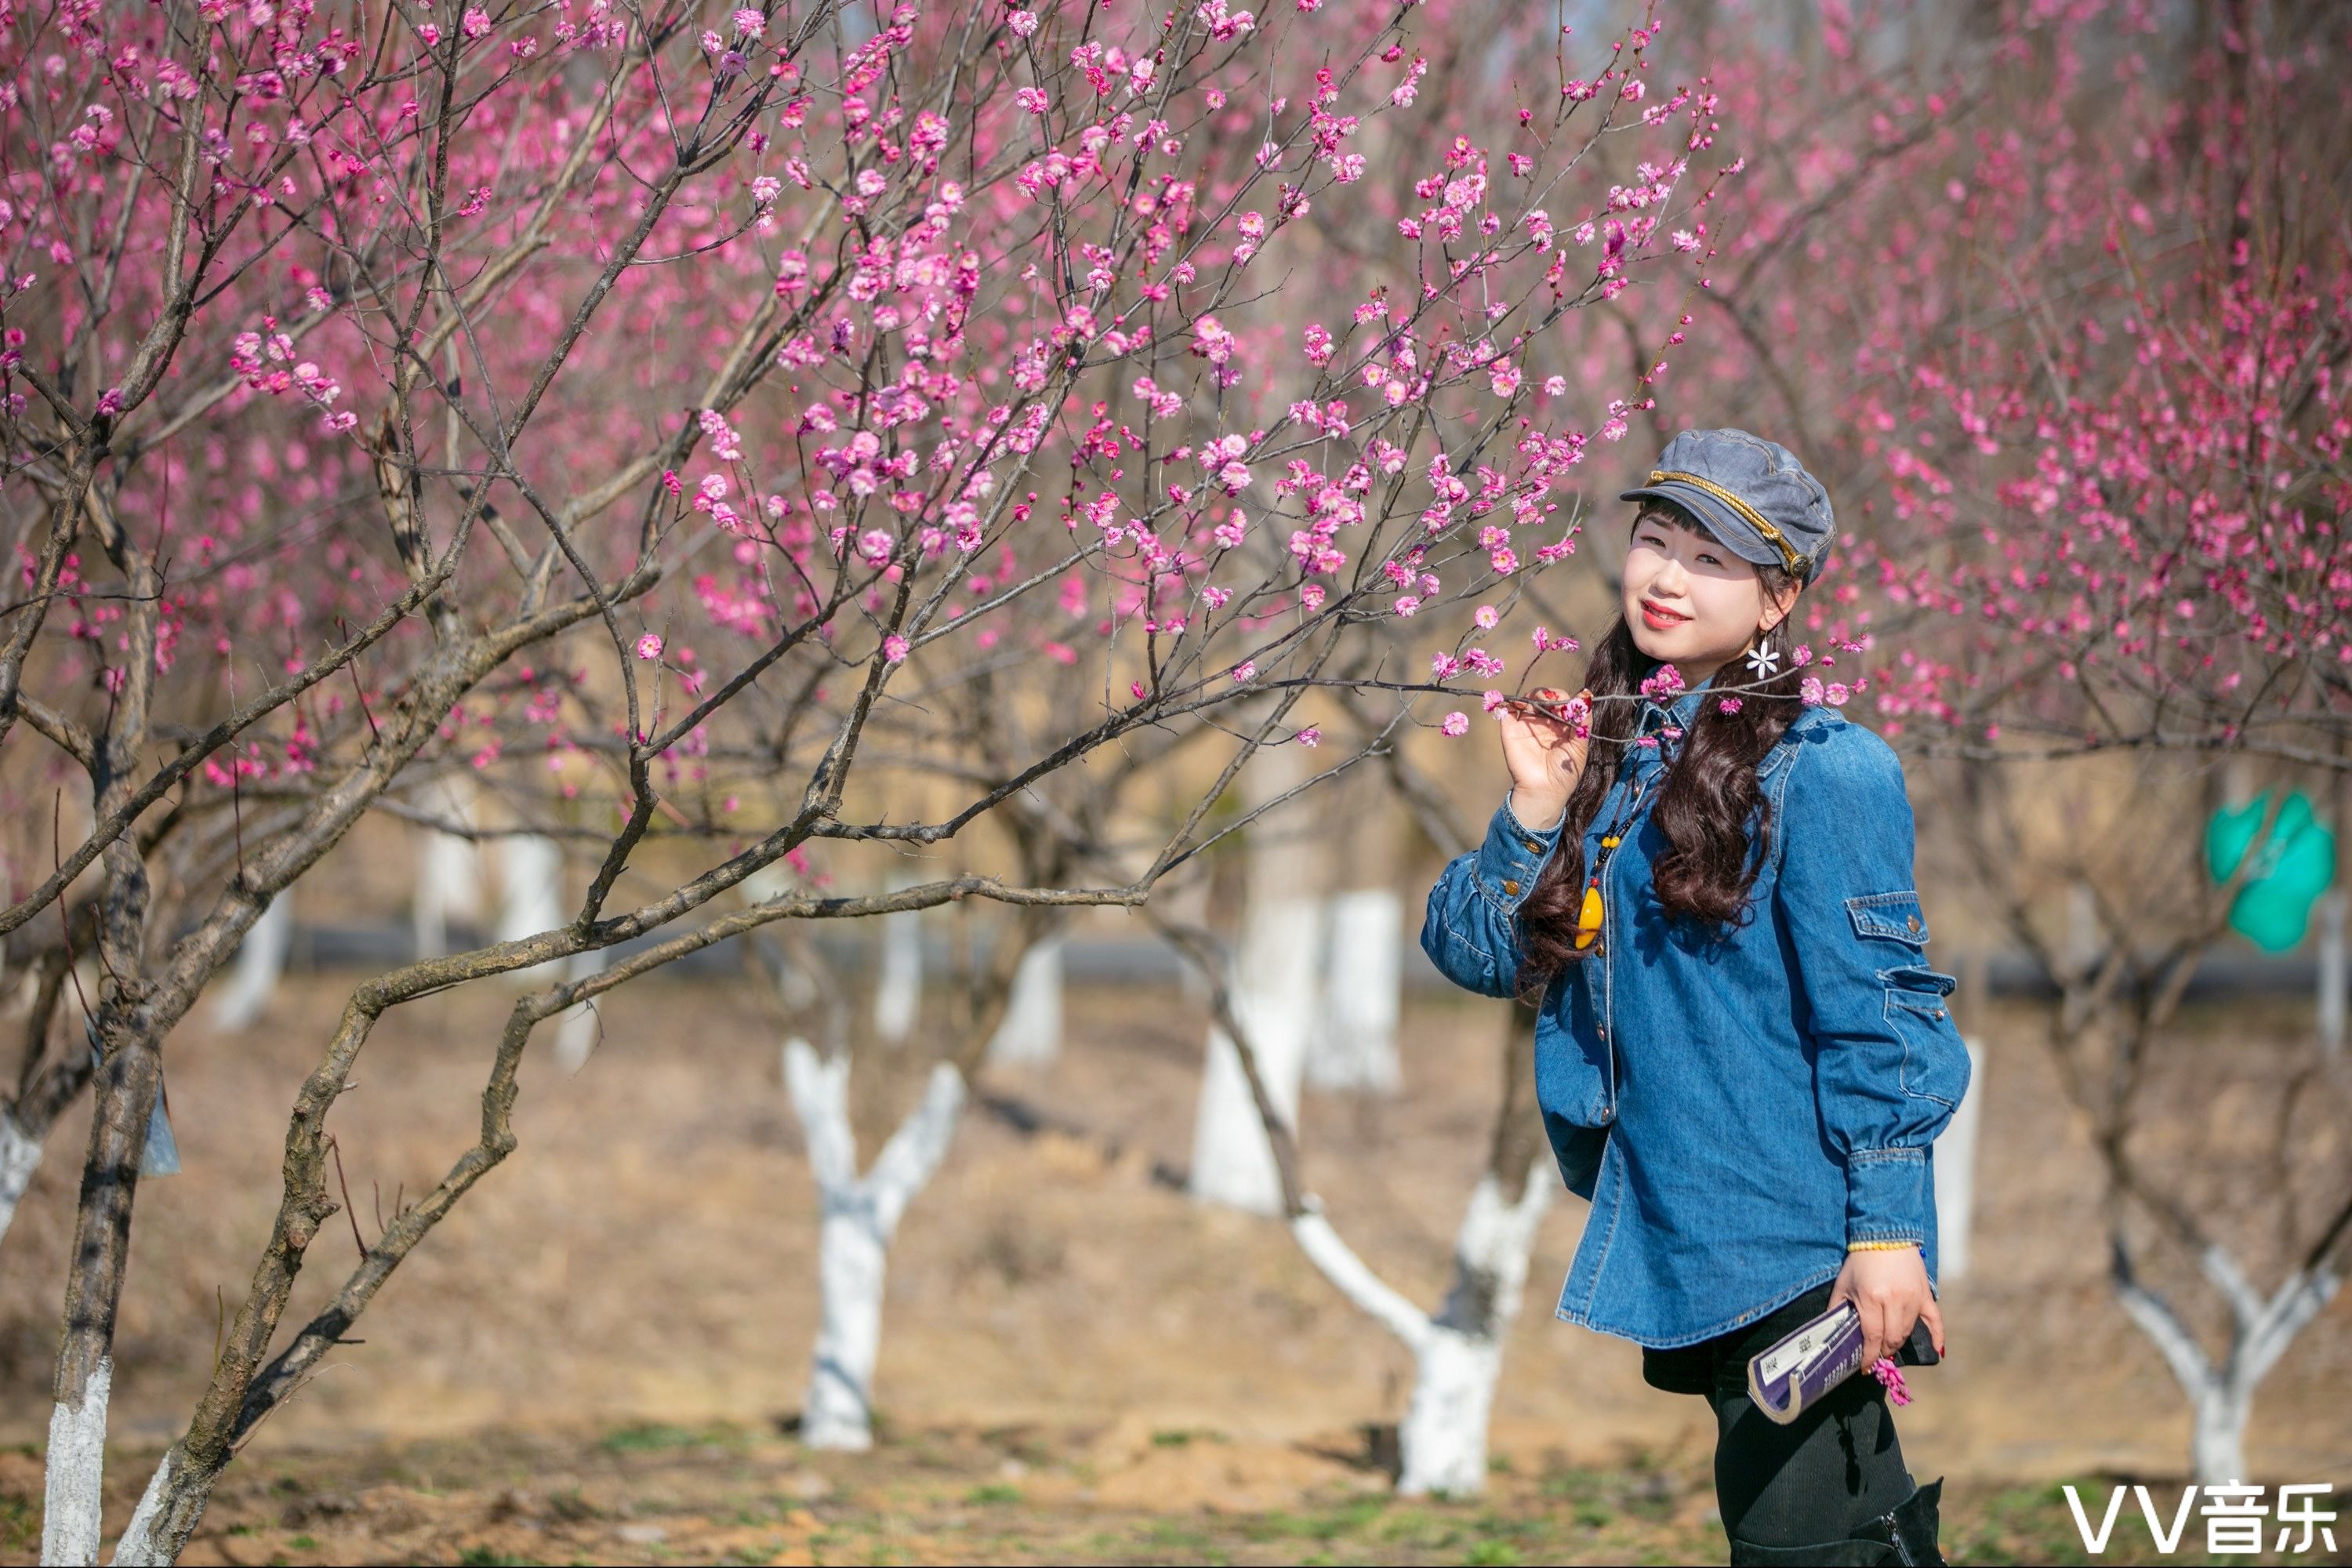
(1763,662)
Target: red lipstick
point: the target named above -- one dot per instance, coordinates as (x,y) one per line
(1659,618)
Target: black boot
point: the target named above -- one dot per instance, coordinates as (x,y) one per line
(1904,1534)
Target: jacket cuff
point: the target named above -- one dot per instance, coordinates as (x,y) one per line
(1511,858)
(1887,1195)
(1511,816)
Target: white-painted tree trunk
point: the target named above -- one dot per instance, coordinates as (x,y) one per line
(448,874)
(898,978)
(76,1471)
(1956,1175)
(139,1548)
(2221,1394)
(1441,1441)
(530,895)
(1274,994)
(1031,1033)
(260,959)
(860,1215)
(1457,1351)
(20,1156)
(575,1036)
(2086,940)
(1273,998)
(1355,1040)
(2217,1438)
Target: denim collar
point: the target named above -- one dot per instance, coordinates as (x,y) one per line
(1681,713)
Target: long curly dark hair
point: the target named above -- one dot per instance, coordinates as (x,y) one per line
(1705,804)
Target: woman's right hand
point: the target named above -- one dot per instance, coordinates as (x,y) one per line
(1546,756)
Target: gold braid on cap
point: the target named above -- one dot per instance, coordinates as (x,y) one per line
(1747,514)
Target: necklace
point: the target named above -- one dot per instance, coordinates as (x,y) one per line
(1590,913)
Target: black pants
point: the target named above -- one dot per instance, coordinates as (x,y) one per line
(1811,1481)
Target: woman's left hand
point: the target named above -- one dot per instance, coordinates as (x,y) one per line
(1889,1288)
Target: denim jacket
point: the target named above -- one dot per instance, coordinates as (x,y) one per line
(1739,1104)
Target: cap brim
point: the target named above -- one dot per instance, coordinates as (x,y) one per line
(1719,519)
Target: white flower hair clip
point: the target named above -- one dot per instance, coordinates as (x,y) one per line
(1762,662)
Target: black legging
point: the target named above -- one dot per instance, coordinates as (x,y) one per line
(1811,1481)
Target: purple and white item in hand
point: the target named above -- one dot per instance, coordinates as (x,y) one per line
(1797,1371)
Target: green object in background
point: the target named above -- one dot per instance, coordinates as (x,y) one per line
(2292,868)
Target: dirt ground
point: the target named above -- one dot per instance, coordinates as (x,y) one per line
(598,1356)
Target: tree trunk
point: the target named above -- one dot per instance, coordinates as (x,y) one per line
(1457,1352)
(2216,1439)
(852,1259)
(531,898)
(77,1469)
(576,1035)
(448,875)
(260,959)
(1442,1439)
(20,1156)
(2221,1393)
(45,1086)
(142,1546)
(1355,1043)
(1031,1034)
(898,978)
(127,1083)
(1956,1175)
(1275,999)
(860,1215)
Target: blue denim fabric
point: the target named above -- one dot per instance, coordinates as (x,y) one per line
(1772,1091)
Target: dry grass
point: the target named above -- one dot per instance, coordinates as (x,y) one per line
(642,1264)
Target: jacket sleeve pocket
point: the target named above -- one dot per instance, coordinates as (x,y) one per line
(1934,1058)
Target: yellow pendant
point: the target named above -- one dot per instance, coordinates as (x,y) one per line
(1588,920)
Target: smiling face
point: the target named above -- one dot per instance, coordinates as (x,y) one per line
(1689,601)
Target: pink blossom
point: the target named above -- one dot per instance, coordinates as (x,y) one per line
(894,648)
(1456,723)
(649,647)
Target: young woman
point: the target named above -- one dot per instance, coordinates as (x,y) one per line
(1742,1056)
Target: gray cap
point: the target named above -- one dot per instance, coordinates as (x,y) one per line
(1750,493)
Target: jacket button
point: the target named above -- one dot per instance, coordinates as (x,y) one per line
(1510,887)
(1605,1113)
(1532,846)
(1912,922)
(1939,1013)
